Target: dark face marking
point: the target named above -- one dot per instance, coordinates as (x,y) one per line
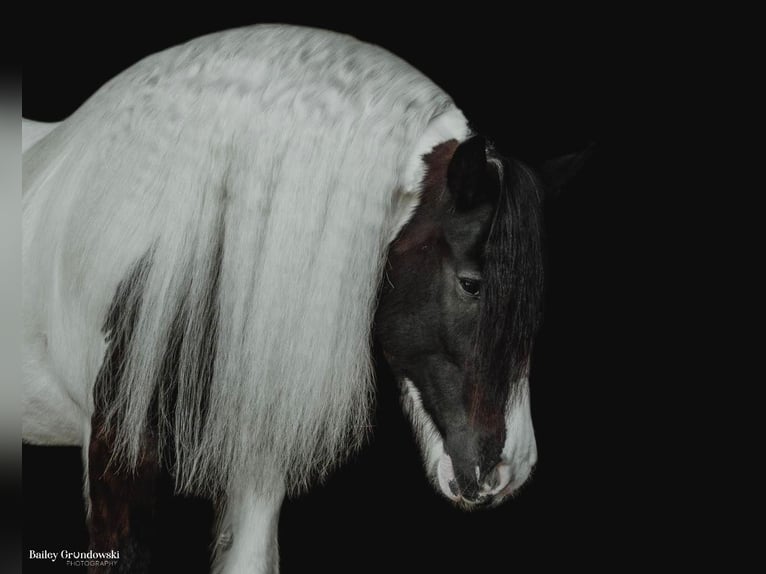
(443,321)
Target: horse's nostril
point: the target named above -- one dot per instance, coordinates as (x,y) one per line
(499,477)
(454,487)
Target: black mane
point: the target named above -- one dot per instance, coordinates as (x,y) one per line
(512,295)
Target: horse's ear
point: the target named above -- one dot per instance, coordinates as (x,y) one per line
(466,174)
(556,173)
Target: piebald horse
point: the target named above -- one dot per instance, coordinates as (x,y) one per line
(213,242)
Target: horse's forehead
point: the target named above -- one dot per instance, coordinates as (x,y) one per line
(467,233)
(434,215)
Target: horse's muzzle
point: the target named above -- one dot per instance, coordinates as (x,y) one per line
(479,489)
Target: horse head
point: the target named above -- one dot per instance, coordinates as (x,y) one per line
(460,305)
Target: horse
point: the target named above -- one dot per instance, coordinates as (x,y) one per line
(214,242)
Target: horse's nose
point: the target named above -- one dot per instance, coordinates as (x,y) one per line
(483,488)
(473,487)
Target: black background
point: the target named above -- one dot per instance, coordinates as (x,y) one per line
(539,88)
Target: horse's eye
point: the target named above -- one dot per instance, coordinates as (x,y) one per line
(471,286)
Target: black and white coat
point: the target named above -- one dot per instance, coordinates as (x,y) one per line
(214,238)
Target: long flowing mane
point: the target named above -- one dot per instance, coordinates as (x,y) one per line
(513,282)
(221,213)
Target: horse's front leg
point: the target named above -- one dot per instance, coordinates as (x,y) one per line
(122,506)
(247,538)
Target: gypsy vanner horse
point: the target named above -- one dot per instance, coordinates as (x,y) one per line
(214,240)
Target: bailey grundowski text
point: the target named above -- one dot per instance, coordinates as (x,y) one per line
(70,555)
